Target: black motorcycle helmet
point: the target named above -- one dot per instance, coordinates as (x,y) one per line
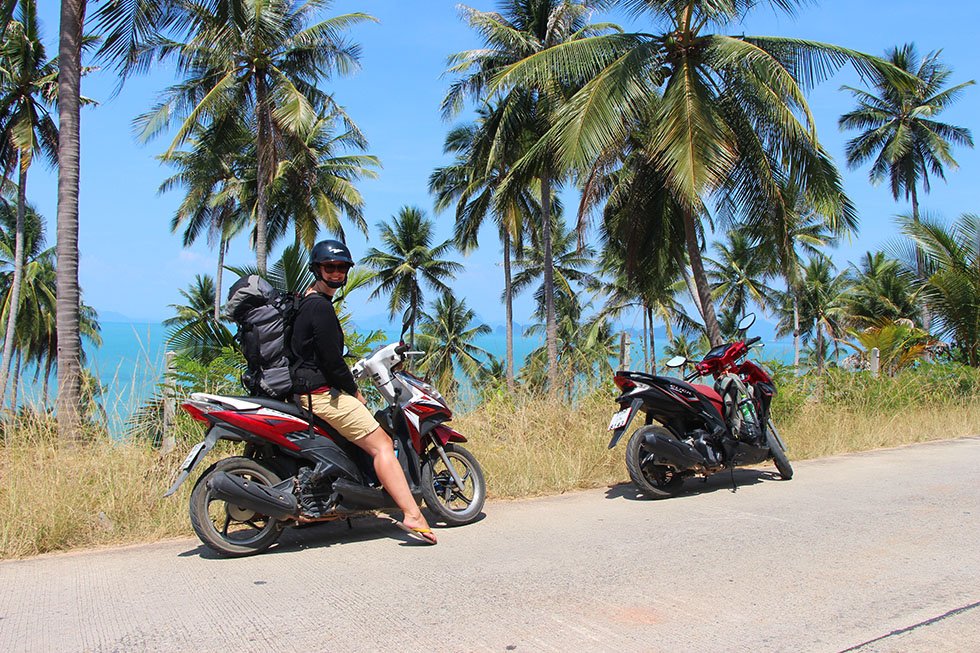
(327,251)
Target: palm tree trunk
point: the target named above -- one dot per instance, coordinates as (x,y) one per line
(796,332)
(646,351)
(509,312)
(653,342)
(222,246)
(920,261)
(44,385)
(819,348)
(67,311)
(701,280)
(551,329)
(263,148)
(691,288)
(16,384)
(415,315)
(14,304)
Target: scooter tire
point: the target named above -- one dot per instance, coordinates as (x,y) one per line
(435,486)
(778,453)
(205,527)
(653,481)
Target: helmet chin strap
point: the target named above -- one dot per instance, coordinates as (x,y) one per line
(336,284)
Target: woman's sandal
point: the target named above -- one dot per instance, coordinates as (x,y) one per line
(418,534)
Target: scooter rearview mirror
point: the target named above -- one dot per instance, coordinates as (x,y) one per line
(407,318)
(746,322)
(676,361)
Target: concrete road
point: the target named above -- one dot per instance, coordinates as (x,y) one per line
(867,552)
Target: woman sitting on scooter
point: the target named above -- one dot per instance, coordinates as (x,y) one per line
(318,341)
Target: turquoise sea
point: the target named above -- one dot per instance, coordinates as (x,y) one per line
(130,362)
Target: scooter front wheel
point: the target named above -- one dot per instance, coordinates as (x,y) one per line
(228,529)
(452,504)
(778,453)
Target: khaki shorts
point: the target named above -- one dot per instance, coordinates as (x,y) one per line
(345,413)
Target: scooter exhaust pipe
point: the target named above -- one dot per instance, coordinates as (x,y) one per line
(263,499)
(672,452)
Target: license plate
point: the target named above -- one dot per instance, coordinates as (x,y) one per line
(191,456)
(619,419)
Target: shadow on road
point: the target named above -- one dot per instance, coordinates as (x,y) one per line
(694,486)
(361,529)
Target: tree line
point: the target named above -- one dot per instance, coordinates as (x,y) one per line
(668,135)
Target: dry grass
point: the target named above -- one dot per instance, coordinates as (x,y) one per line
(55,497)
(818,431)
(530,446)
(536,448)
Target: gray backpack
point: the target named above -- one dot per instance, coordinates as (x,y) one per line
(265,324)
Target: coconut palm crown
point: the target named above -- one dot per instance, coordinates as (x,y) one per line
(730,118)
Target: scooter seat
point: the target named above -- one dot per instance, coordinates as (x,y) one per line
(291,409)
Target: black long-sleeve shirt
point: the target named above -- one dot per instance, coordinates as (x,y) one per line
(318,341)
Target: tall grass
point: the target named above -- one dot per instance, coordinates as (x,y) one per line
(95,492)
(101,491)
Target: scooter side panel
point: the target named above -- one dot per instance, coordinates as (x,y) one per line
(319,449)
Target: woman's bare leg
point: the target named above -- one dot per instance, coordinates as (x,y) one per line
(378,445)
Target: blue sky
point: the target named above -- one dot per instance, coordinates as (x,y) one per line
(132,265)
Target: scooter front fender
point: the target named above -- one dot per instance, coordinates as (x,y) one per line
(445,435)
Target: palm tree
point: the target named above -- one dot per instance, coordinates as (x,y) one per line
(35,337)
(200,300)
(215,174)
(900,344)
(900,132)
(883,291)
(193,330)
(952,290)
(730,117)
(585,348)
(794,224)
(740,274)
(522,29)
(652,290)
(899,129)
(485,152)
(408,261)
(686,344)
(571,265)
(447,337)
(27,90)
(7,8)
(258,62)
(643,258)
(314,183)
(822,306)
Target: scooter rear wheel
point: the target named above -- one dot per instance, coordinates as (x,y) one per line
(654,481)
(228,529)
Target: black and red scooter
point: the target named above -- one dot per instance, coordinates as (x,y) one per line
(692,429)
(296,469)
